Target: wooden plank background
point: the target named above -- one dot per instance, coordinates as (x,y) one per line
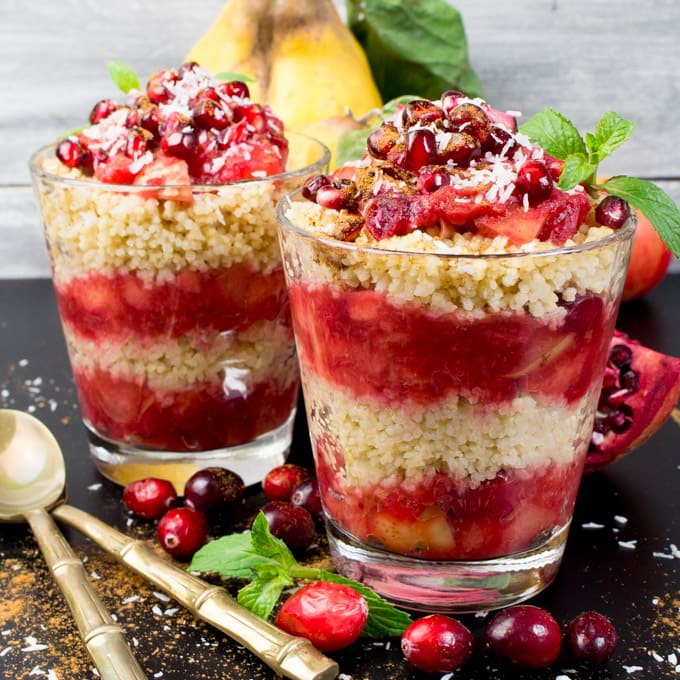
(582,57)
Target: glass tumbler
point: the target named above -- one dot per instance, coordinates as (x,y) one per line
(174,308)
(450,400)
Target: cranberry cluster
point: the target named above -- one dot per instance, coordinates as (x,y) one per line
(293,506)
(183,114)
(524,636)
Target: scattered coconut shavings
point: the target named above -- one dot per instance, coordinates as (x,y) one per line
(592,525)
(562,677)
(628,545)
(94,487)
(633,669)
(32,645)
(620,519)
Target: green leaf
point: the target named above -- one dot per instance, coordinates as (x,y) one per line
(122,75)
(653,203)
(611,132)
(231,556)
(269,546)
(414,46)
(226,76)
(261,595)
(384,619)
(555,133)
(576,169)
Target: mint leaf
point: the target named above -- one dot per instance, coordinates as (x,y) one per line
(230,557)
(384,619)
(414,46)
(269,546)
(261,595)
(611,132)
(576,169)
(653,203)
(555,133)
(123,76)
(227,76)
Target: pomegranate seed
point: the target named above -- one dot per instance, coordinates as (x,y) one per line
(235,88)
(534,180)
(450,99)
(177,137)
(311,187)
(330,615)
(612,212)
(381,141)
(187,67)
(279,482)
(209,114)
(630,381)
(619,421)
(150,120)
(292,524)
(420,111)
(102,109)
(433,177)
(69,151)
(340,194)
(137,142)
(591,638)
(91,159)
(460,149)
(499,140)
(525,636)
(306,495)
(253,115)
(149,498)
(213,489)
(421,149)
(472,120)
(156,88)
(182,531)
(437,644)
(621,356)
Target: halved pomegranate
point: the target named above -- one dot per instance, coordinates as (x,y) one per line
(639,391)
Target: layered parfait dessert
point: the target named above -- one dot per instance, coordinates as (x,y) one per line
(453,309)
(160,220)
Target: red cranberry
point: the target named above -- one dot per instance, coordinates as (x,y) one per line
(102,109)
(421,149)
(279,482)
(69,151)
(235,88)
(311,187)
(472,120)
(292,524)
(157,87)
(213,489)
(420,111)
(534,180)
(591,638)
(433,177)
(182,531)
(149,498)
(525,636)
(330,615)
(613,212)
(381,141)
(210,114)
(437,644)
(306,495)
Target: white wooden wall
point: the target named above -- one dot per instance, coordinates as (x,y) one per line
(582,57)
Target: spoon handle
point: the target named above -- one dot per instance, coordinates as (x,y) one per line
(290,656)
(104,639)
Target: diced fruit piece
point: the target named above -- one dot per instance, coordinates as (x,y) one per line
(149,498)
(330,615)
(437,644)
(213,489)
(518,225)
(291,523)
(280,482)
(591,638)
(117,170)
(182,531)
(170,173)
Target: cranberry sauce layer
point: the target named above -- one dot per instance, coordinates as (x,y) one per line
(371,347)
(114,306)
(441,517)
(202,417)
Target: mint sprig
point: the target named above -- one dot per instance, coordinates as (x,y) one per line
(582,156)
(122,75)
(227,76)
(270,567)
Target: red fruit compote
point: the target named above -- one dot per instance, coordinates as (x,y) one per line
(452,309)
(160,221)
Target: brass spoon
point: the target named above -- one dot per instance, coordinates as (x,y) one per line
(32,480)
(290,656)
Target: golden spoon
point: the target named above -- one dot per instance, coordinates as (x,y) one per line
(32,480)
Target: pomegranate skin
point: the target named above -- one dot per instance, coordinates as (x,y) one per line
(649,261)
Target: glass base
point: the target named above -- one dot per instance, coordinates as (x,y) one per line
(123,464)
(448,587)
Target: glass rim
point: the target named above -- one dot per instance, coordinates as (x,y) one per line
(624,232)
(316,166)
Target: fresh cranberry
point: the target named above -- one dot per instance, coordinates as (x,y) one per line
(420,111)
(534,180)
(591,638)
(306,495)
(472,120)
(213,489)
(279,482)
(613,212)
(157,87)
(69,151)
(525,636)
(330,615)
(460,149)
(421,149)
(102,109)
(235,88)
(433,177)
(437,644)
(211,115)
(182,531)
(312,186)
(149,498)
(381,141)
(292,524)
